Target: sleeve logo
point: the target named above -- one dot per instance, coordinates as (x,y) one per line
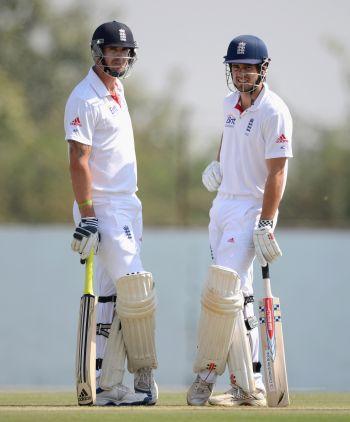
(75,122)
(282,139)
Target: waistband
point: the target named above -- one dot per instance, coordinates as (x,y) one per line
(99,198)
(250,198)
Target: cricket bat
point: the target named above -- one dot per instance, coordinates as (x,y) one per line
(85,362)
(273,357)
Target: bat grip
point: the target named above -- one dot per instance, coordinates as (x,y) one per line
(266,278)
(88,285)
(265,271)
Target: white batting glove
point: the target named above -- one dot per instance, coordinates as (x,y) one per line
(211,176)
(86,238)
(266,246)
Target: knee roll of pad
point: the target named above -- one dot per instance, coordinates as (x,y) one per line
(136,306)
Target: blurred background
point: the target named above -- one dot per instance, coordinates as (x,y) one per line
(175,98)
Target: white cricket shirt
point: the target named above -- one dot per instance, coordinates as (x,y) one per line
(93,117)
(262,131)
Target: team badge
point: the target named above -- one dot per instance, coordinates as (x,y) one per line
(241,47)
(249,127)
(127,232)
(122,35)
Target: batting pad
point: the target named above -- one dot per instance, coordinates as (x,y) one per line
(136,306)
(239,359)
(222,302)
(113,364)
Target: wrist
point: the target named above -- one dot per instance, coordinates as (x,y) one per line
(264,222)
(84,204)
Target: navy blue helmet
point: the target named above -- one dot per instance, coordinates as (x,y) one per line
(246,49)
(113,34)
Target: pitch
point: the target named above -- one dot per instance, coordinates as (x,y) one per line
(60,406)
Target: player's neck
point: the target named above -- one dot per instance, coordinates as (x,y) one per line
(247,99)
(109,81)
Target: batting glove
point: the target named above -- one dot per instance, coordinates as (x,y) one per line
(86,238)
(211,176)
(266,246)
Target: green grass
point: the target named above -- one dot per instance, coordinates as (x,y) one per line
(58,406)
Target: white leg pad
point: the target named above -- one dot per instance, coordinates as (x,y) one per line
(222,301)
(113,364)
(136,305)
(239,358)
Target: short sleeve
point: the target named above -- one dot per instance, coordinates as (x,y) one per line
(79,121)
(277,133)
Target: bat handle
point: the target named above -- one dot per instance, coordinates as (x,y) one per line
(88,285)
(266,278)
(265,271)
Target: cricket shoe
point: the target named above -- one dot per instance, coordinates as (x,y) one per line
(199,392)
(235,396)
(144,383)
(120,395)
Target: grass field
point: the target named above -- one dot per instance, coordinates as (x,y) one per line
(38,406)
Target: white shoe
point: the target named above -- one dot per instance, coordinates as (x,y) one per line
(144,383)
(120,395)
(199,392)
(235,396)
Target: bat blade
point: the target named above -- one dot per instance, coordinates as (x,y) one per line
(273,356)
(85,362)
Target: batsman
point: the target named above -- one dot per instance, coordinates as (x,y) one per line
(249,176)
(108,217)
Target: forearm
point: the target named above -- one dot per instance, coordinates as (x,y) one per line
(272,195)
(81,179)
(219,151)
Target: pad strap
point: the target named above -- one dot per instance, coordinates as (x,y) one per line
(103,330)
(105,299)
(248,299)
(99,363)
(256,367)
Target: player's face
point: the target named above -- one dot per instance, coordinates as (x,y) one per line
(116,58)
(244,76)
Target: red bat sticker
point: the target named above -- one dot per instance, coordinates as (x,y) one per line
(270,326)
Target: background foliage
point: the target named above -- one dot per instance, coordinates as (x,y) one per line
(44,56)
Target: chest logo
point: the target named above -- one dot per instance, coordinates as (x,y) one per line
(113,109)
(249,127)
(230,121)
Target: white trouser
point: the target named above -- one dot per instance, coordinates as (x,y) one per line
(120,226)
(232,222)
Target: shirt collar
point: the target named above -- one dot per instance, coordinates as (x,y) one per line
(261,98)
(97,84)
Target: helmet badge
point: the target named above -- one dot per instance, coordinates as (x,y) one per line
(241,47)
(122,35)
